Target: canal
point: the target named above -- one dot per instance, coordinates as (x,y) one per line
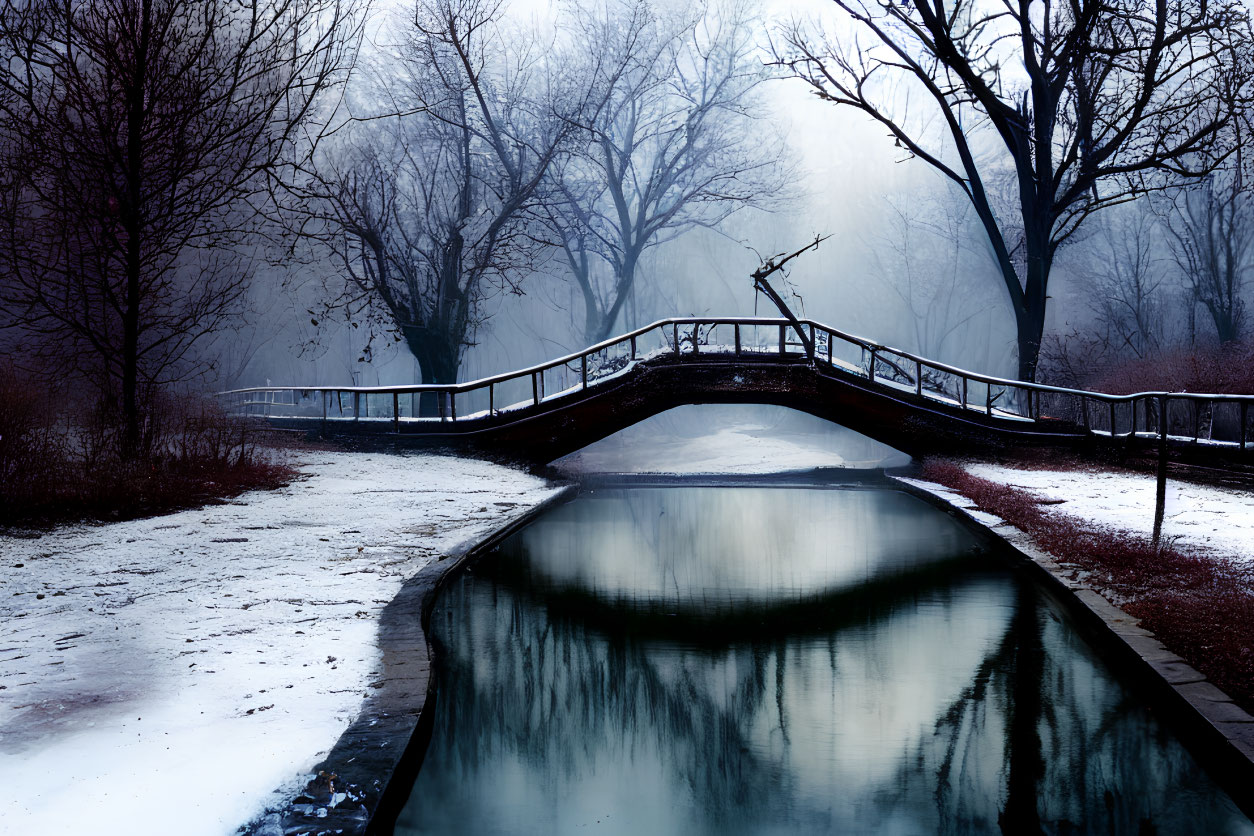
(731,659)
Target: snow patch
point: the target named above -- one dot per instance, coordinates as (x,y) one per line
(185,672)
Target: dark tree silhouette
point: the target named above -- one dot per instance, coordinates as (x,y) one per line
(1087,104)
(143,133)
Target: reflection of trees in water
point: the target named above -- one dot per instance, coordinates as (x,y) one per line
(555,695)
(708,547)
(1032,736)
(1078,753)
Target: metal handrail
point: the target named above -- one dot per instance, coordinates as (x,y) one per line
(670,328)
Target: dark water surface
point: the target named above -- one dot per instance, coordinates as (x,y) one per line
(735,660)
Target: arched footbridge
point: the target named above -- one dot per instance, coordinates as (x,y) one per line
(912,403)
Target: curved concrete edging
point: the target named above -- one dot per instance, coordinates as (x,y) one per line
(376,760)
(1216,727)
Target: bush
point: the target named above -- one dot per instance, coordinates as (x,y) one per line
(56,467)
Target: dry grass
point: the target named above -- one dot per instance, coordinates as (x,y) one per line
(1199,606)
(57,467)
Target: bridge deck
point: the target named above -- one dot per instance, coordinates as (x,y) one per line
(917,405)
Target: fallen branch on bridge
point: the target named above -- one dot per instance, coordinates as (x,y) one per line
(773,265)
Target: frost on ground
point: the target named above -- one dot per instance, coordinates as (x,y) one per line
(184,672)
(1217,519)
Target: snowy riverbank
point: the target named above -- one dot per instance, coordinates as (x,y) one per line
(1212,519)
(184,672)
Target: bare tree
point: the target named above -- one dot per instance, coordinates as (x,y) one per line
(1125,282)
(1211,235)
(1086,104)
(671,141)
(147,131)
(426,206)
(920,258)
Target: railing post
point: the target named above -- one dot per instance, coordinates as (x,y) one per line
(696,336)
(811,347)
(396,411)
(633,348)
(1244,414)
(1197,422)
(583,370)
(535,389)
(1112,419)
(918,378)
(491,399)
(1084,408)
(988,399)
(357,406)
(782,341)
(1160,488)
(325,397)
(452,405)
(831,338)
(870,369)
(964,391)
(737,329)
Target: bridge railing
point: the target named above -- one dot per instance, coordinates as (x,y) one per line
(1213,418)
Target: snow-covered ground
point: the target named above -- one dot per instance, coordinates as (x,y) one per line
(182,673)
(1199,516)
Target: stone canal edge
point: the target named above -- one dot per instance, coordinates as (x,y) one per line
(364,781)
(1216,727)
(376,760)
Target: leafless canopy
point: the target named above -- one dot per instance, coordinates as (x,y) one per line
(1085,104)
(139,137)
(425,201)
(670,140)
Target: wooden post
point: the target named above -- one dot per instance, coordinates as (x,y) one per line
(831,338)
(1197,422)
(1160,491)
(1244,415)
(633,348)
(396,412)
(675,327)
(1112,419)
(535,389)
(782,342)
(918,378)
(583,370)
(810,347)
(964,391)
(1084,408)
(491,399)
(737,329)
(325,397)
(988,399)
(870,369)
(357,406)
(696,336)
(452,405)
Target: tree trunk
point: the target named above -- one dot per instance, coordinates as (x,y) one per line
(622,289)
(1023,740)
(439,357)
(132,223)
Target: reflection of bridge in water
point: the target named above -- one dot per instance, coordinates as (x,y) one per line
(910,402)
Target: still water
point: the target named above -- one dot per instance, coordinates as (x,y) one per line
(735,660)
